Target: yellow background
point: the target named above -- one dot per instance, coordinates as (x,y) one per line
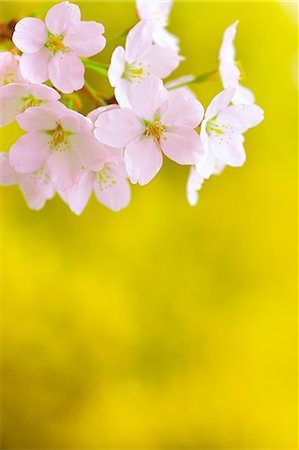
(164,326)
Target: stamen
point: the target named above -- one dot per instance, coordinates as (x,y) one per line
(40,176)
(135,71)
(30,101)
(55,43)
(59,141)
(220,132)
(105,178)
(155,129)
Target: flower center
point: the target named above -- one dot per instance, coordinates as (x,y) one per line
(155,129)
(8,78)
(55,43)
(220,132)
(30,101)
(40,176)
(135,71)
(105,178)
(59,141)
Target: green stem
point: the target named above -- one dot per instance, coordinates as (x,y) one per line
(100,68)
(116,38)
(94,94)
(198,79)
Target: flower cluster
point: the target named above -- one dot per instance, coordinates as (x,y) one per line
(125,138)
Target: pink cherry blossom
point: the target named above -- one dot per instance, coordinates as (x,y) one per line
(139,60)
(15,98)
(59,139)
(109,184)
(158,12)
(222,132)
(35,186)
(9,69)
(229,72)
(157,123)
(52,50)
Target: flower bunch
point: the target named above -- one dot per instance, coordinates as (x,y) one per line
(125,138)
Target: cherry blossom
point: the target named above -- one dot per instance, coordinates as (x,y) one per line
(15,98)
(222,131)
(139,60)
(109,184)
(36,186)
(52,50)
(158,12)
(229,72)
(60,140)
(222,137)
(157,123)
(9,69)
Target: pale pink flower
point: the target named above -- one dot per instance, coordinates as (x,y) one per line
(110,185)
(52,50)
(229,72)
(110,182)
(61,140)
(222,132)
(9,69)
(15,98)
(157,123)
(158,12)
(35,186)
(139,60)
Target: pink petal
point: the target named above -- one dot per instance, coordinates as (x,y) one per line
(219,102)
(143,160)
(30,35)
(77,199)
(34,67)
(229,73)
(8,175)
(165,39)
(243,96)
(118,127)
(10,102)
(182,145)
(231,153)
(194,183)
(227,49)
(150,9)
(117,65)
(36,188)
(9,69)
(147,97)
(37,118)
(93,154)
(62,18)
(182,111)
(43,92)
(74,122)
(113,192)
(139,41)
(65,169)
(29,152)
(87,39)
(93,115)
(162,61)
(250,115)
(66,72)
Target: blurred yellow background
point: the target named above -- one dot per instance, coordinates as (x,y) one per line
(164,326)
